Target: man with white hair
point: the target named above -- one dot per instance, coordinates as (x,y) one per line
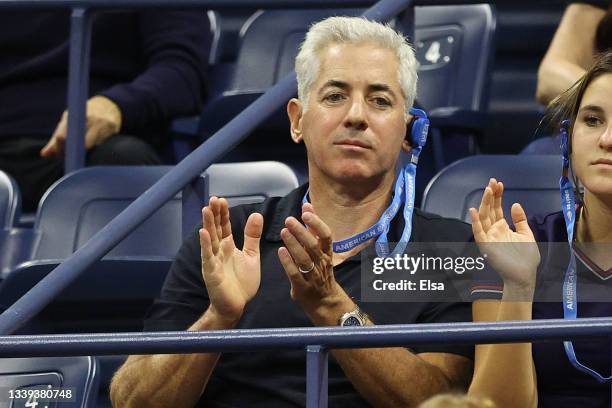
(300,259)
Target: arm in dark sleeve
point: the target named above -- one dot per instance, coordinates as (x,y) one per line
(175,46)
(487,284)
(603,4)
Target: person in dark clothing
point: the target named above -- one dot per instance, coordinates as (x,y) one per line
(585,29)
(553,374)
(147,67)
(301,254)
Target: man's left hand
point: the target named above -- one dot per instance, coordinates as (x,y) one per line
(102,121)
(307,258)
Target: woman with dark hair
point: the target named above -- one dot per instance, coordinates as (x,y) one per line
(574,253)
(585,30)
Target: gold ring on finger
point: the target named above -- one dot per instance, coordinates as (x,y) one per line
(306,270)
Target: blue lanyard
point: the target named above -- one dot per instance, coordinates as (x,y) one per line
(404,193)
(570,281)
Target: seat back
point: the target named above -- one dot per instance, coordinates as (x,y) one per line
(10,201)
(82,203)
(543,145)
(270,44)
(80,375)
(226,27)
(455,48)
(532,181)
(15,243)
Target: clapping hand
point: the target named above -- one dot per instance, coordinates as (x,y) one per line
(307,258)
(232,276)
(513,254)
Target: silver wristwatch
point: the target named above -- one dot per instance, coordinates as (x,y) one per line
(354,318)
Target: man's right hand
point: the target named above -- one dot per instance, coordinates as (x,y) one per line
(232,276)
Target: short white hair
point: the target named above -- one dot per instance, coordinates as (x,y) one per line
(354,30)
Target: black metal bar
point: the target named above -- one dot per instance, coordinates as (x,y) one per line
(316,377)
(78,88)
(212,4)
(194,197)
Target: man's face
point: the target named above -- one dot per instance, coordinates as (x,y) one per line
(354,125)
(592,138)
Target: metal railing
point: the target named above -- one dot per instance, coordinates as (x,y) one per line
(295,338)
(316,341)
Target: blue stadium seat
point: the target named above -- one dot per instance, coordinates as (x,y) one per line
(71,211)
(14,242)
(118,289)
(82,203)
(10,201)
(531,180)
(79,374)
(227,26)
(454,47)
(543,145)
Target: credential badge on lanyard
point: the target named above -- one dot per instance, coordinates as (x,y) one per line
(570,281)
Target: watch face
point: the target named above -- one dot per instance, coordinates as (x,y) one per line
(351,321)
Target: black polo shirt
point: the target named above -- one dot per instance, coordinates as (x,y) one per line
(277,378)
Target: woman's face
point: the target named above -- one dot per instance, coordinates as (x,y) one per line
(592,138)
